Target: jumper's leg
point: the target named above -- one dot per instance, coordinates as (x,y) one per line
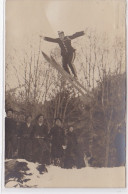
(71,65)
(65,64)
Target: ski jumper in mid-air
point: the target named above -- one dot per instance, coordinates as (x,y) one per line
(67,51)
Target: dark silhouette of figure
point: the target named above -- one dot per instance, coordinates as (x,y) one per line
(71,149)
(10,135)
(57,136)
(67,51)
(120,145)
(40,145)
(25,139)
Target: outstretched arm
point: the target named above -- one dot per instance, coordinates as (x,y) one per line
(55,40)
(77,34)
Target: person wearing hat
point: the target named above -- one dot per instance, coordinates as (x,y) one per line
(67,51)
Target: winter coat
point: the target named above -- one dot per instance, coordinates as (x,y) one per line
(10,137)
(25,131)
(65,45)
(120,144)
(71,143)
(73,156)
(25,148)
(10,128)
(57,140)
(40,143)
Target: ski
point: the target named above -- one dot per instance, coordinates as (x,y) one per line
(63,73)
(72,78)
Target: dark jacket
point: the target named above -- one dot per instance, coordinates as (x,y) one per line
(120,145)
(40,145)
(10,129)
(66,47)
(25,131)
(39,137)
(58,136)
(25,141)
(73,155)
(71,158)
(10,137)
(57,140)
(41,131)
(71,143)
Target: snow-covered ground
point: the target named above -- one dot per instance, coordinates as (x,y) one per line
(58,177)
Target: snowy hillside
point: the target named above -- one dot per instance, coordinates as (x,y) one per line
(21,173)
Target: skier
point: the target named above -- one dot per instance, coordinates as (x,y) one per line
(67,51)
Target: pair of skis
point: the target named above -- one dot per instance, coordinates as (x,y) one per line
(75,83)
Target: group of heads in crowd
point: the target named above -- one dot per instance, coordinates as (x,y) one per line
(35,140)
(40,119)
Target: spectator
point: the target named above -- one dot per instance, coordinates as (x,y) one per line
(58,143)
(120,145)
(71,150)
(26,141)
(41,150)
(10,135)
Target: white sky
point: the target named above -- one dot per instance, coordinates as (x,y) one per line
(26,19)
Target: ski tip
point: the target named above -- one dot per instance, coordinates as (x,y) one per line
(52,58)
(45,56)
(43,53)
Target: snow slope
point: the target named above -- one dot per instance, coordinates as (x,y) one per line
(58,177)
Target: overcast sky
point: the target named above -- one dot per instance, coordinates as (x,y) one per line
(26,19)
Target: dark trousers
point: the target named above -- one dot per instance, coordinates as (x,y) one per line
(25,150)
(40,151)
(11,147)
(70,161)
(67,61)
